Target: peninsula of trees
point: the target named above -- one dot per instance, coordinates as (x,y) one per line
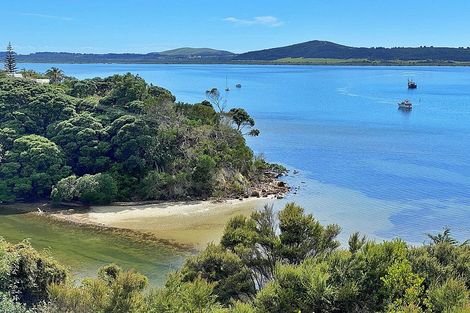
(311,52)
(119,138)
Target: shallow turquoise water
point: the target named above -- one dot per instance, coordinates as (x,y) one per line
(84,250)
(363,164)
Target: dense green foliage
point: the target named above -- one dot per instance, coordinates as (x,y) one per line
(285,262)
(117,138)
(25,274)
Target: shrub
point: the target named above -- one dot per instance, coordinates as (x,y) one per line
(96,189)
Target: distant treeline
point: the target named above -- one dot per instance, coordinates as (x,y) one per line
(328,50)
(192,56)
(312,52)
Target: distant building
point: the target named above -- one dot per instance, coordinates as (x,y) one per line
(37,80)
(15,75)
(41,80)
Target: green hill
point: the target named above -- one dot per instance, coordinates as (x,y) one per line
(328,50)
(196,52)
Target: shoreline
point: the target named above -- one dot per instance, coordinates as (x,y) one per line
(185,224)
(261,63)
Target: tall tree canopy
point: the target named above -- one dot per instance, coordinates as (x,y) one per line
(10,61)
(144,143)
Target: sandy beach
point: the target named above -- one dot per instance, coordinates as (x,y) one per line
(194,223)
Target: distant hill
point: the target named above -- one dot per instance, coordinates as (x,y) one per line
(197,52)
(328,50)
(311,52)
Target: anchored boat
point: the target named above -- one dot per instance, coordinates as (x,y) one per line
(226,84)
(405,105)
(412,84)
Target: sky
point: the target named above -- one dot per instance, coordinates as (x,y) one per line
(142,26)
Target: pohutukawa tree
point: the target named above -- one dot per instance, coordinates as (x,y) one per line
(10,62)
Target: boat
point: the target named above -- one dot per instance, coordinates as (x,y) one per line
(238,85)
(412,84)
(405,105)
(226,84)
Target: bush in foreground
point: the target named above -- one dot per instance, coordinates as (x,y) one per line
(286,263)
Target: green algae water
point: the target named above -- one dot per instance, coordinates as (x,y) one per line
(84,250)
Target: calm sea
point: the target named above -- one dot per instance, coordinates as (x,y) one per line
(361,162)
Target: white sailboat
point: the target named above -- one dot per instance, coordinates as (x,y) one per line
(226,84)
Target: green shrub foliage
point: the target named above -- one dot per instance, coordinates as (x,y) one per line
(251,272)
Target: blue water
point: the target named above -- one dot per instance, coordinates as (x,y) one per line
(362,163)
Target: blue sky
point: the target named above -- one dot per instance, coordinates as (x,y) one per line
(141,26)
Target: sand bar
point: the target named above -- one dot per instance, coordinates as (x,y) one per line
(194,223)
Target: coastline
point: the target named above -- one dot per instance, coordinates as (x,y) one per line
(191,224)
(341,62)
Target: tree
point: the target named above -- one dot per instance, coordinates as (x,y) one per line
(131,141)
(297,288)
(83,88)
(356,242)
(254,241)
(243,120)
(114,291)
(445,237)
(65,189)
(449,296)
(203,175)
(10,62)
(183,297)
(55,75)
(216,99)
(163,186)
(302,236)
(26,273)
(401,286)
(216,265)
(100,188)
(127,88)
(84,141)
(32,166)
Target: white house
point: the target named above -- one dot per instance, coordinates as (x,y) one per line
(37,80)
(15,75)
(41,80)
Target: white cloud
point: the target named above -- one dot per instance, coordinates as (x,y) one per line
(53,17)
(270,21)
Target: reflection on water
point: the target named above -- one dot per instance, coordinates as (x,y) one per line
(405,111)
